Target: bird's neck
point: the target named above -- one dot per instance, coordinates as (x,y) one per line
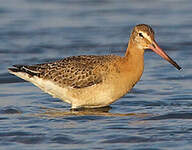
(134,50)
(134,58)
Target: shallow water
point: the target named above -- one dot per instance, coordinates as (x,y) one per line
(155,115)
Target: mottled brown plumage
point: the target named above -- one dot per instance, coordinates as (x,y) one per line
(94,81)
(75,72)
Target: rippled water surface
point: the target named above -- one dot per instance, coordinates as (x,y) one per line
(155,115)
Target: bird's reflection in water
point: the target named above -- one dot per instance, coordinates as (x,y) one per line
(103,111)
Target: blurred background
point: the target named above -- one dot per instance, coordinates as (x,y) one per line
(37,31)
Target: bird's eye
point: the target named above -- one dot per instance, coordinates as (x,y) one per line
(141,35)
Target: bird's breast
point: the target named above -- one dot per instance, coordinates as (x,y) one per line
(123,77)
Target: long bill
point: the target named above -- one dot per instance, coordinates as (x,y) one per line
(155,47)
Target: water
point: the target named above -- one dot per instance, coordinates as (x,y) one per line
(155,115)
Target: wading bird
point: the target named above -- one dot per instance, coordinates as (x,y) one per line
(91,81)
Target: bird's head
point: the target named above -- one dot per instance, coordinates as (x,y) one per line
(142,37)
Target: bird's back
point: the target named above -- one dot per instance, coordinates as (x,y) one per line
(76,71)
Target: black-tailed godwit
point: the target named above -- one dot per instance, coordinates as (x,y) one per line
(91,81)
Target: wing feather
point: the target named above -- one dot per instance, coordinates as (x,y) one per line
(76,71)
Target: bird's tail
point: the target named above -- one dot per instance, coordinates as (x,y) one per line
(22,69)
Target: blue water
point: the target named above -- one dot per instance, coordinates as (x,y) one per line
(155,115)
